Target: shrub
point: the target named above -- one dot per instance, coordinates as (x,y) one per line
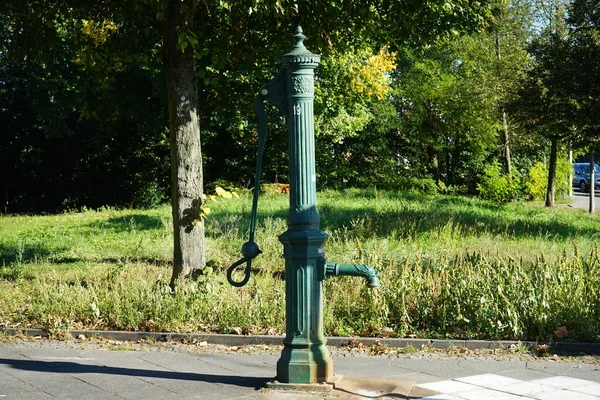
(498,186)
(563,170)
(537,182)
(414,185)
(275,188)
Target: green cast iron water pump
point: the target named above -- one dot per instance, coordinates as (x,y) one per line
(304,358)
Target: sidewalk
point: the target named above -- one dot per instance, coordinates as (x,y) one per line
(582,201)
(73,369)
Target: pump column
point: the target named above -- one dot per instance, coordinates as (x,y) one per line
(303,194)
(304,358)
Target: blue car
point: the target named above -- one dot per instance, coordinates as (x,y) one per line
(581,176)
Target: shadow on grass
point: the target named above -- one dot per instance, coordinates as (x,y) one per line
(13,257)
(67,367)
(112,260)
(25,253)
(412,217)
(129,223)
(412,222)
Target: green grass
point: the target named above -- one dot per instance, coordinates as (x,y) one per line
(452,267)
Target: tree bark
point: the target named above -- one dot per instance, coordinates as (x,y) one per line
(592,181)
(434,162)
(552,172)
(570,171)
(505,134)
(505,143)
(184,127)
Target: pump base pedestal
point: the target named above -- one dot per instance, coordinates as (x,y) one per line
(304,364)
(322,387)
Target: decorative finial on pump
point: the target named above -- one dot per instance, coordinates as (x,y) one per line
(299,39)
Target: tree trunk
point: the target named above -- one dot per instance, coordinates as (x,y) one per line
(552,172)
(592,181)
(570,171)
(505,136)
(184,127)
(434,162)
(505,144)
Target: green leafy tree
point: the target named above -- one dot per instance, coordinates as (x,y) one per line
(354,113)
(547,106)
(447,123)
(499,186)
(212,56)
(503,59)
(179,50)
(536,185)
(78,121)
(584,20)
(585,44)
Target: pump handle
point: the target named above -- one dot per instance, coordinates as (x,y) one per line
(275,93)
(250,249)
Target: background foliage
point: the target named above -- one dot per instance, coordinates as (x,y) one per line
(420,96)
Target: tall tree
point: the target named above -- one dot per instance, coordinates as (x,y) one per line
(179,45)
(447,122)
(505,47)
(233,47)
(584,20)
(69,92)
(547,105)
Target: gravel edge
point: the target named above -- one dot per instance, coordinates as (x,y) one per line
(564,348)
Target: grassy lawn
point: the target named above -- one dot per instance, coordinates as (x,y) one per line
(452,267)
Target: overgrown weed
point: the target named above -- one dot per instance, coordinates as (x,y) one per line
(452,267)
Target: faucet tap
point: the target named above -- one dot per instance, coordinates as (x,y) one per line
(366,271)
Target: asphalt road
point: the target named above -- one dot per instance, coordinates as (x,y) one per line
(582,201)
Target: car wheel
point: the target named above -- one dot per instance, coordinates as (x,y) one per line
(583,186)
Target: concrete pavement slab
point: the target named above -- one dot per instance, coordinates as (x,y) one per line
(575,370)
(593,389)
(37,379)
(14,388)
(73,370)
(526,374)
(491,386)
(564,394)
(211,375)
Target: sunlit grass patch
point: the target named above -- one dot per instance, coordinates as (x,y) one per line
(452,267)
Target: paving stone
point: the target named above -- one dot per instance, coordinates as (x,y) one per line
(562,382)
(525,374)
(593,389)
(489,381)
(527,389)
(565,395)
(449,387)
(442,397)
(489,394)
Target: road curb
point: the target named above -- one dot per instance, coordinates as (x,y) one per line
(565,348)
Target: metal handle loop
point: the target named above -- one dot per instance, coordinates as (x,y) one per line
(247,271)
(249,250)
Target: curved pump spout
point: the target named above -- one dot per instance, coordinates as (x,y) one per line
(366,271)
